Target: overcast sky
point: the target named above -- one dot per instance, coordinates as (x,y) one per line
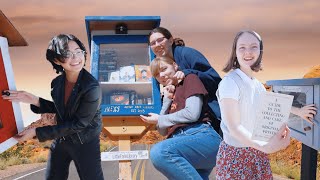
(290,30)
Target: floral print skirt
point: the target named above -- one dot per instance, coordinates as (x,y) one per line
(242,163)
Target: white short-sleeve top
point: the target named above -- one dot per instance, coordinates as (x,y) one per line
(240,87)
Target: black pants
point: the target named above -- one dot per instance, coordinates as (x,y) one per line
(86,157)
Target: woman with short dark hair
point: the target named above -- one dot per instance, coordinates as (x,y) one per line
(76,96)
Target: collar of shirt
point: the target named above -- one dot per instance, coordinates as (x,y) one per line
(245,77)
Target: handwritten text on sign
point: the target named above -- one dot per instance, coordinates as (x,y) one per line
(124,155)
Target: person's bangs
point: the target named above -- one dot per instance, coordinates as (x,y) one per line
(155,67)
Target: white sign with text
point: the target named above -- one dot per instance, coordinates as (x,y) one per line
(273,110)
(124,155)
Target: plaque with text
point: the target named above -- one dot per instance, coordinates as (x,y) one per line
(273,111)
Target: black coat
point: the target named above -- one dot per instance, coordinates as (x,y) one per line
(80,119)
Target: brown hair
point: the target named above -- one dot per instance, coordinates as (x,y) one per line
(178,42)
(233,60)
(155,64)
(167,34)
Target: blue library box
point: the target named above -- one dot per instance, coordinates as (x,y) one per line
(305,91)
(120,59)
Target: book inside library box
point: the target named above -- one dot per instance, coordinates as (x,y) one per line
(125,75)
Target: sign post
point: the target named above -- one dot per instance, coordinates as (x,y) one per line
(124,165)
(308,163)
(123,129)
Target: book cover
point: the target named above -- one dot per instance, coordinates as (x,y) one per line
(108,60)
(127,74)
(120,98)
(143,73)
(107,64)
(114,76)
(103,76)
(10,114)
(273,111)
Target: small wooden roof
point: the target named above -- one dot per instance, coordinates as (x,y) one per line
(10,32)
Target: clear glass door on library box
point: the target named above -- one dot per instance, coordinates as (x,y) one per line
(121,65)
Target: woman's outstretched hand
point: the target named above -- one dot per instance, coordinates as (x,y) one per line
(152,118)
(306,112)
(21,96)
(25,135)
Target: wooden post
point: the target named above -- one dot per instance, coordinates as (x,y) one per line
(123,129)
(124,166)
(308,163)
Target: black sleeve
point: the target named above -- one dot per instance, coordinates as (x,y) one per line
(200,66)
(45,107)
(87,109)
